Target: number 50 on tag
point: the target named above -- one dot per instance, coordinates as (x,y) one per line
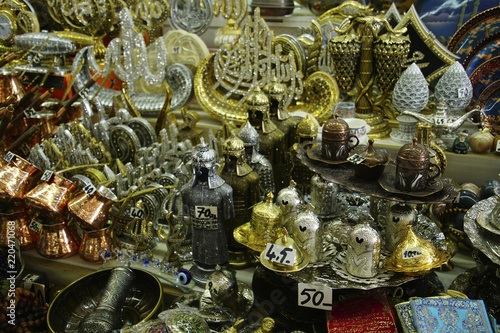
(314,296)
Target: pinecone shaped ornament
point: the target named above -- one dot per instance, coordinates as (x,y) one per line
(411,92)
(454,88)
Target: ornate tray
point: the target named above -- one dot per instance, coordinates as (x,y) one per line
(486,242)
(343,174)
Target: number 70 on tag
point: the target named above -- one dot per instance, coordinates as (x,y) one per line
(314,296)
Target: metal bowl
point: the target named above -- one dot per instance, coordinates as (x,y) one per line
(80,298)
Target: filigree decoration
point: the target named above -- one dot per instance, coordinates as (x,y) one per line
(223,81)
(150,14)
(127,56)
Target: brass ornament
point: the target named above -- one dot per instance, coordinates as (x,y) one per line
(415,256)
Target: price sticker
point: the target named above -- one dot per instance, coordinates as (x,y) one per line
(30,113)
(176,49)
(47,175)
(356,159)
(37,58)
(280,254)
(497,149)
(440,121)
(35,226)
(8,157)
(412,253)
(136,213)
(206,212)
(462,92)
(89,189)
(313,296)
(85,93)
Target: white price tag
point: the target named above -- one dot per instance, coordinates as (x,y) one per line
(356,159)
(30,113)
(47,175)
(89,189)
(313,296)
(440,121)
(206,212)
(84,93)
(412,253)
(280,254)
(497,149)
(8,157)
(462,92)
(35,226)
(136,213)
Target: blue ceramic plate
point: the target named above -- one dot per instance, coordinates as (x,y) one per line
(484,51)
(484,76)
(474,31)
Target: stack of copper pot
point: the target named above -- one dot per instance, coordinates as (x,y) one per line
(41,204)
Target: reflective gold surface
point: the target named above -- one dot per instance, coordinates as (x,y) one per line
(17,224)
(92,210)
(17,178)
(423,257)
(56,242)
(50,198)
(95,242)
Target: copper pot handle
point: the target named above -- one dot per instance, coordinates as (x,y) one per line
(355,145)
(438,171)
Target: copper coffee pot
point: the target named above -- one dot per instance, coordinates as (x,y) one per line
(17,177)
(92,210)
(17,224)
(56,241)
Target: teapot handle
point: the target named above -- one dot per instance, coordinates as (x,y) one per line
(349,143)
(437,172)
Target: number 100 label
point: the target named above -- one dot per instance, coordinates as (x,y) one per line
(314,296)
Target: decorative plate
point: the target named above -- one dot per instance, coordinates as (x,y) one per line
(487,243)
(474,31)
(483,76)
(442,257)
(484,51)
(489,99)
(388,178)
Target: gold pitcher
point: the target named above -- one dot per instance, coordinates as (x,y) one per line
(51,197)
(92,210)
(56,241)
(16,224)
(17,178)
(96,241)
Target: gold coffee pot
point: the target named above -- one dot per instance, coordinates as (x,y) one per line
(51,197)
(92,210)
(56,241)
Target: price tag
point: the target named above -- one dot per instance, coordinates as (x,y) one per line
(47,175)
(8,157)
(412,253)
(462,92)
(176,50)
(89,189)
(136,213)
(37,58)
(313,296)
(35,226)
(30,113)
(497,149)
(206,212)
(280,254)
(440,121)
(85,93)
(356,159)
